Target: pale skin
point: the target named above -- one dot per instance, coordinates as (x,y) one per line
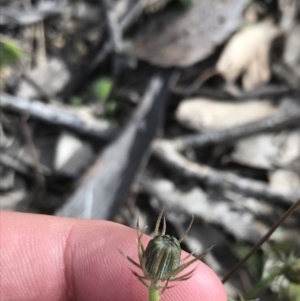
(60,259)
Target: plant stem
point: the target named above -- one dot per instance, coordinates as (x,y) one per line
(264,239)
(153,293)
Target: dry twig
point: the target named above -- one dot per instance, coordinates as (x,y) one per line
(237,221)
(263,240)
(275,122)
(267,91)
(168,155)
(58,115)
(106,186)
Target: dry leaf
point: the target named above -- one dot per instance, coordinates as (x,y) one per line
(269,150)
(285,180)
(180,36)
(205,114)
(248,54)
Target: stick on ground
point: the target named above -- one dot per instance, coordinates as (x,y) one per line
(171,158)
(275,122)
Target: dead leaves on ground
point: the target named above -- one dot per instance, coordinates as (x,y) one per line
(180,36)
(247,54)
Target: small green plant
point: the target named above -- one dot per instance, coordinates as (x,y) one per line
(160,261)
(102,89)
(111,108)
(10,52)
(289,268)
(284,275)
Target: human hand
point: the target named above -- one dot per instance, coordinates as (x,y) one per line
(61,259)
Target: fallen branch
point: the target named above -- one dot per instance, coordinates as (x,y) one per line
(237,221)
(168,155)
(107,184)
(59,115)
(196,89)
(275,122)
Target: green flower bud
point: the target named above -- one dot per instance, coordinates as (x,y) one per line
(160,261)
(161,256)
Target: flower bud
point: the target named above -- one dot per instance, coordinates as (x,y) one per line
(161,256)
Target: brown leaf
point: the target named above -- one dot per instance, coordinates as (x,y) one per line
(205,114)
(180,36)
(248,54)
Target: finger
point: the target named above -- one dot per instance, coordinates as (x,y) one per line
(52,258)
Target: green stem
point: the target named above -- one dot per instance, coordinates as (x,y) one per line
(153,293)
